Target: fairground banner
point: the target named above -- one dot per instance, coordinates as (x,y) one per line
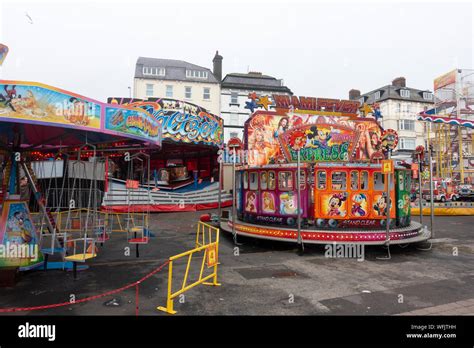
(38,104)
(270,137)
(180,121)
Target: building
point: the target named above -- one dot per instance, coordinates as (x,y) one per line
(235,90)
(400,106)
(177,79)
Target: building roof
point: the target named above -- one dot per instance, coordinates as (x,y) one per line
(174,70)
(393,92)
(254,81)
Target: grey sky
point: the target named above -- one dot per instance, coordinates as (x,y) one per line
(318,48)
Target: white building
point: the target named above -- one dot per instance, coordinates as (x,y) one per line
(399,106)
(176,79)
(235,90)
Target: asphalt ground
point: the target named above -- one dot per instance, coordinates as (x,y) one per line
(260,277)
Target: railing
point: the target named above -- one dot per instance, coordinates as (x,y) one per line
(210,250)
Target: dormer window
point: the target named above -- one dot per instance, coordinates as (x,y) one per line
(377,95)
(405,93)
(197,74)
(427,96)
(154,71)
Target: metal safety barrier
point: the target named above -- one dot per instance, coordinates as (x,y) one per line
(207,242)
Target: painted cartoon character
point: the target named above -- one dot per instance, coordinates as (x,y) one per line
(287,204)
(297,139)
(19,221)
(8,98)
(357,209)
(251,202)
(335,203)
(268,202)
(318,137)
(380,205)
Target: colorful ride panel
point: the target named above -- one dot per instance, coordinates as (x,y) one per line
(38,104)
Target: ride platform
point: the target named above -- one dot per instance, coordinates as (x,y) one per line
(413,233)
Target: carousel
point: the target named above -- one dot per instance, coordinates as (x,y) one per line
(319,171)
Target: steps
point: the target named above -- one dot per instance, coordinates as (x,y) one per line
(209,194)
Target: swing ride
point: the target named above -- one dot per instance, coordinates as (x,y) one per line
(317,172)
(55,148)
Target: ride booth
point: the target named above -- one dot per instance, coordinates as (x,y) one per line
(184,172)
(320,176)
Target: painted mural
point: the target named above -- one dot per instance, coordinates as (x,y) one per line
(18,237)
(35,102)
(322,137)
(180,121)
(39,104)
(132,121)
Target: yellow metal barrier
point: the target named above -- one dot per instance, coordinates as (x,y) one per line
(211,254)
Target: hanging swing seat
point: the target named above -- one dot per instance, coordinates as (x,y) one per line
(52,251)
(88,249)
(102,238)
(143,235)
(140,240)
(80,257)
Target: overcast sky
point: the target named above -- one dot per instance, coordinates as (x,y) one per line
(320,49)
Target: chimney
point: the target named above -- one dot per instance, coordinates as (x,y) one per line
(217,66)
(399,82)
(354,94)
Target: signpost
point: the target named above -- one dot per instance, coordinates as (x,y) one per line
(389,140)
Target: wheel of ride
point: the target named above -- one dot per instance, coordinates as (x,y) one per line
(332,223)
(443,199)
(320,223)
(383,223)
(290,221)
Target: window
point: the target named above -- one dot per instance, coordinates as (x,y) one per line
(379,181)
(285,180)
(407,125)
(338,181)
(405,93)
(206,93)
(377,95)
(253,181)
(246,180)
(302,179)
(198,74)
(154,71)
(149,90)
(427,96)
(234,98)
(407,143)
(234,119)
(188,92)
(399,107)
(263,180)
(271,180)
(169,91)
(401,181)
(321,180)
(364,180)
(354,180)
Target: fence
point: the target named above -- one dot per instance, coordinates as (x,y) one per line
(207,243)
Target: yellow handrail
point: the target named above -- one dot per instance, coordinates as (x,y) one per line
(210,247)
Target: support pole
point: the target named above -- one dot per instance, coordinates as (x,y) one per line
(420,189)
(219,199)
(431,191)
(387,230)
(298,203)
(233,198)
